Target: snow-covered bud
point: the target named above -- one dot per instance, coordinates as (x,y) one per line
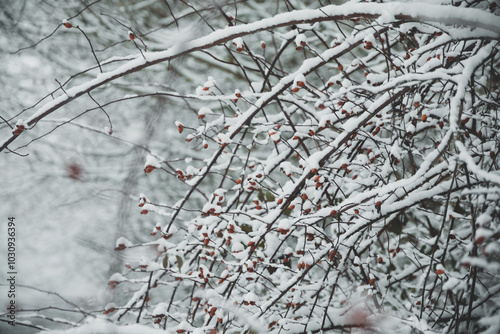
(416,100)
(238,42)
(300,41)
(180,127)
(67,24)
(299,80)
(151,164)
(21,125)
(368,42)
(209,84)
(203,112)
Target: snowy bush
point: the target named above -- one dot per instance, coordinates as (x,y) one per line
(337,169)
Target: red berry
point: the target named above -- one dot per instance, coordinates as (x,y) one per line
(18,130)
(148,169)
(331,255)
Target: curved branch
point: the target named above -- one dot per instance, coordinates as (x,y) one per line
(391,12)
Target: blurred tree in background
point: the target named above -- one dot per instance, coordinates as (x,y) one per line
(257,166)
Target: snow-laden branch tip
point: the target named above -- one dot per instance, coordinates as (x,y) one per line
(471,165)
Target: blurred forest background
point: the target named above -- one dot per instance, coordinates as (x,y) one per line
(74,192)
